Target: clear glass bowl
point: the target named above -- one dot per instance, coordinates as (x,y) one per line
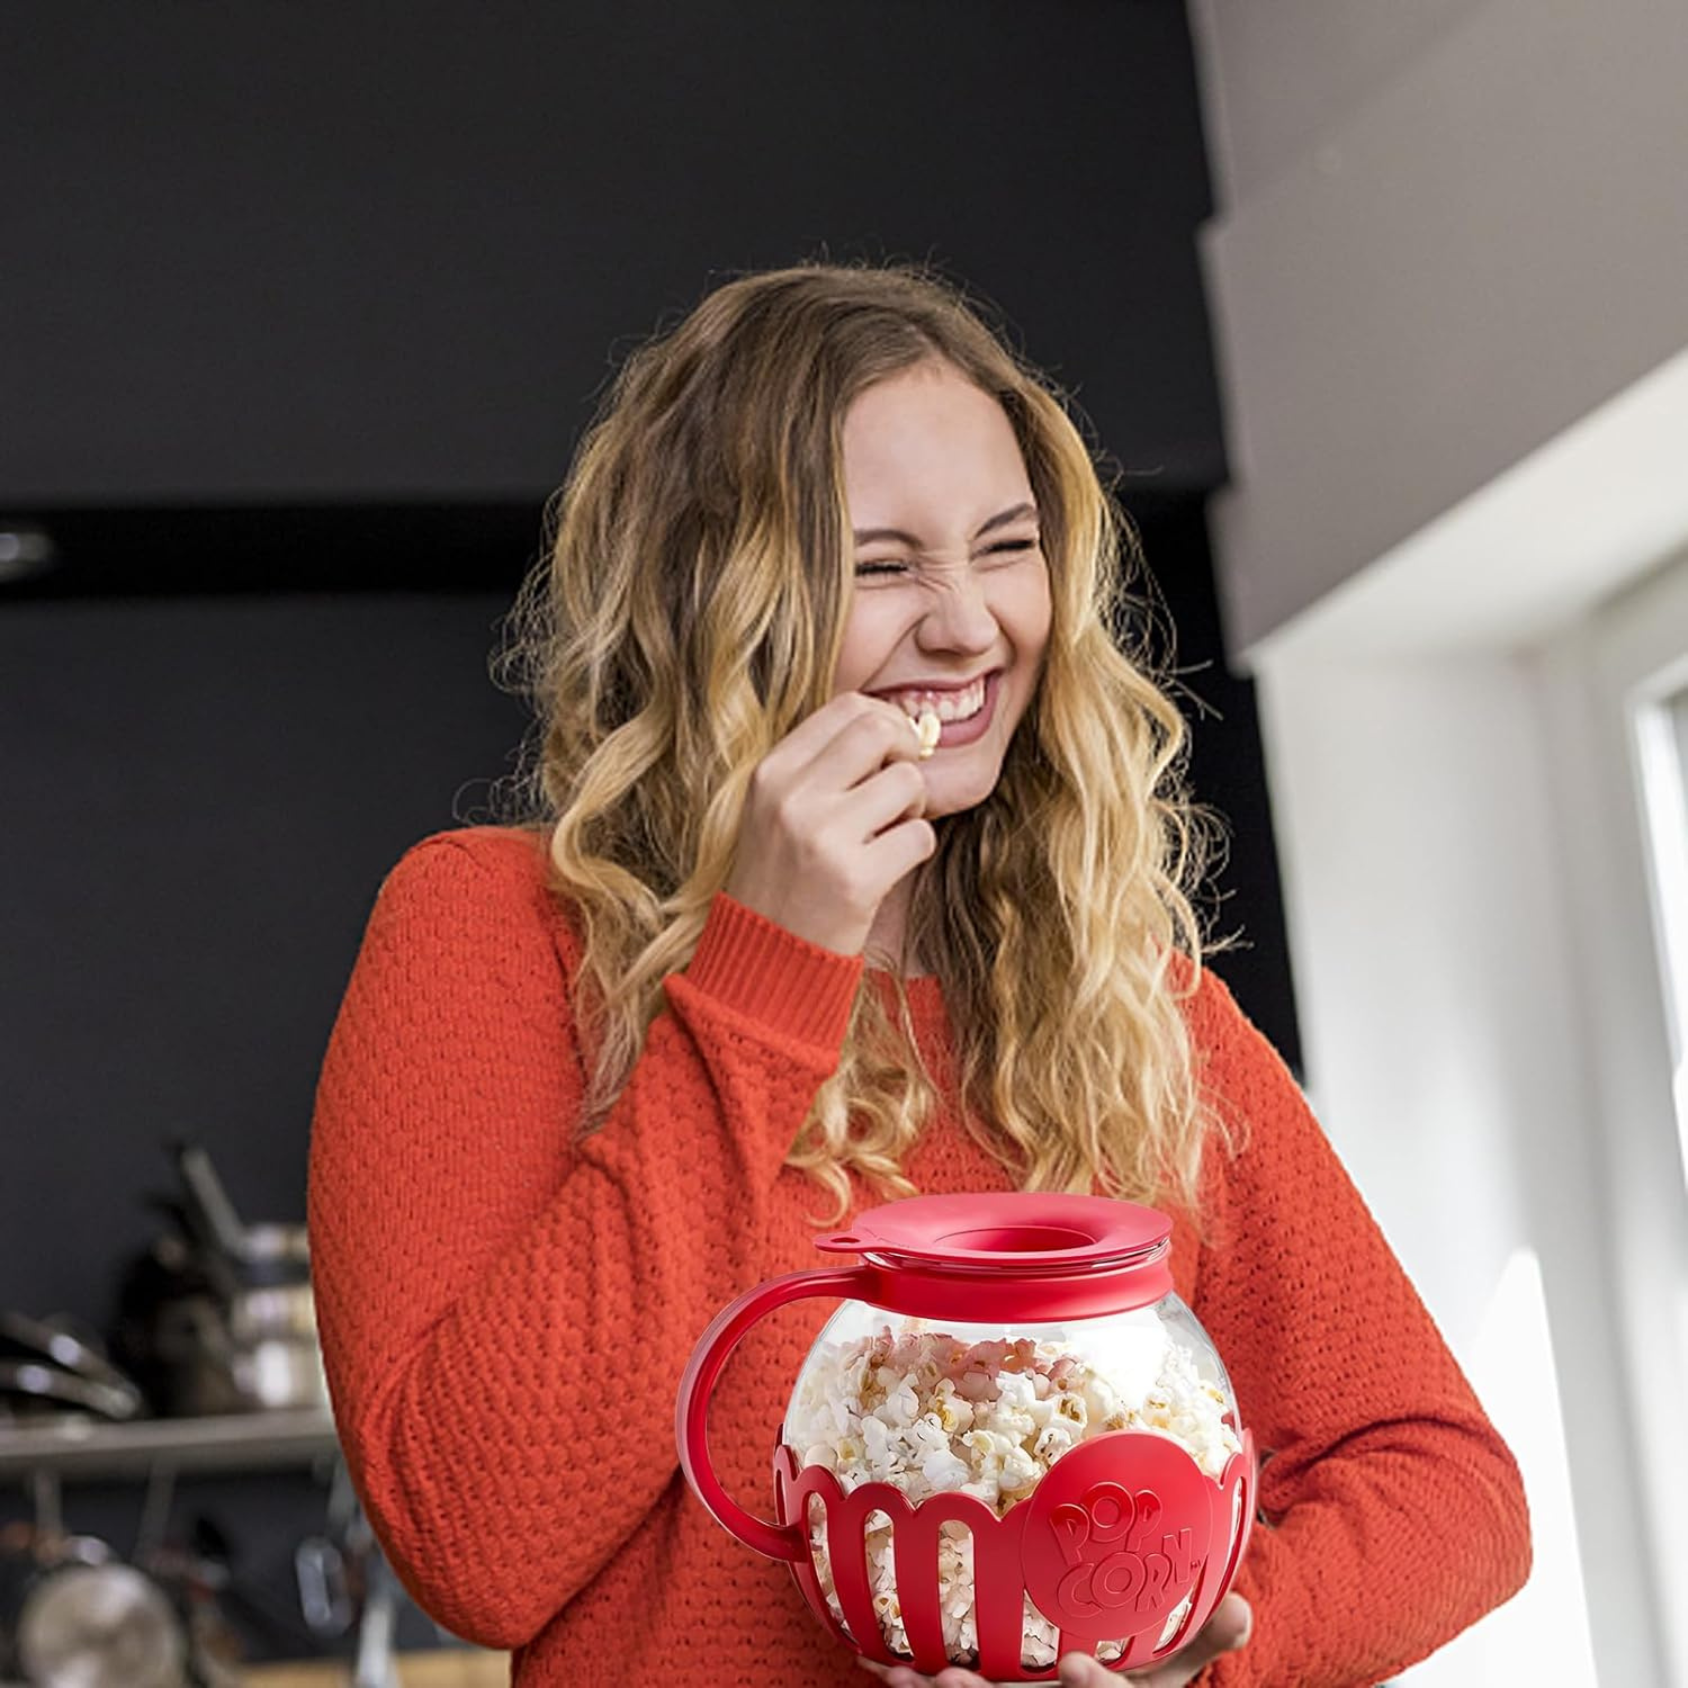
(933,1405)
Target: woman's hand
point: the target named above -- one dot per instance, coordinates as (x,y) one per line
(1224,1632)
(834,819)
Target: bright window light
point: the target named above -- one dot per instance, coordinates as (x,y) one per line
(1542,1633)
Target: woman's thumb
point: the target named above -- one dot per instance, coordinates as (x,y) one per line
(1236,1620)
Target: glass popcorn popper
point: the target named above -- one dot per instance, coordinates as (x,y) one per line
(1012,1441)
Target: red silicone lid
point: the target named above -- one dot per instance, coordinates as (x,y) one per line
(1010,1232)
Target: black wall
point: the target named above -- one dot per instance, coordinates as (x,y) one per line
(294,251)
(302,312)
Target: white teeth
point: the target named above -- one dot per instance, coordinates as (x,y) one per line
(947,706)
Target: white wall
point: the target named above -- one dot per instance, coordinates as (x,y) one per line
(1480,979)
(1449,277)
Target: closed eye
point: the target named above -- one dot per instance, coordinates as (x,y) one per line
(894,567)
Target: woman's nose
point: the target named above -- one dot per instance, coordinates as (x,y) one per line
(959,614)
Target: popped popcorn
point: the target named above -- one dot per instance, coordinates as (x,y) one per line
(928,729)
(922,1410)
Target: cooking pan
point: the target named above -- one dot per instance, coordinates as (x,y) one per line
(50,1342)
(29,1389)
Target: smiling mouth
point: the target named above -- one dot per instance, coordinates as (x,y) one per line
(946,706)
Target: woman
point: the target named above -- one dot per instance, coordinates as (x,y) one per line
(744,940)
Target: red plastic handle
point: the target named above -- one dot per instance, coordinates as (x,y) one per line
(691,1408)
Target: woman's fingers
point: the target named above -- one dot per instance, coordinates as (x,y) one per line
(895,1676)
(901,1676)
(1226,1630)
(1080,1670)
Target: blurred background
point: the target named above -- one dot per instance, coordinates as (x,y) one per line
(1382,314)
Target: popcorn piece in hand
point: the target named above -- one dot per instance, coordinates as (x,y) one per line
(928,731)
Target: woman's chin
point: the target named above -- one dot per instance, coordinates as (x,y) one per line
(950,793)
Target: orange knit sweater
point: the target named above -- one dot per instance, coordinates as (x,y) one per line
(505,1314)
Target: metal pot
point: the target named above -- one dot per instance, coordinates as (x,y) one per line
(77,1617)
(222,1319)
(101,1626)
(273,1254)
(258,1354)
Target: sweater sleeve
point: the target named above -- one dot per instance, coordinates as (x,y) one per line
(504,1313)
(1390,1514)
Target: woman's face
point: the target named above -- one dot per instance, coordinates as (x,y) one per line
(962,589)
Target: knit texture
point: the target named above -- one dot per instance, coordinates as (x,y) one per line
(505,1314)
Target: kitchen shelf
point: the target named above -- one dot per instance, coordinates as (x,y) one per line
(81,1447)
(455,1667)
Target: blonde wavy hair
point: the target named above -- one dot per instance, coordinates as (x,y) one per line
(689,613)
